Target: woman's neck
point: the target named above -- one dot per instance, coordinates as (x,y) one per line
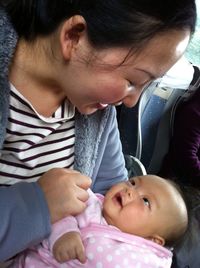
(32,72)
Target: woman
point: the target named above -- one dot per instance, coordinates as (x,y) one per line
(57,56)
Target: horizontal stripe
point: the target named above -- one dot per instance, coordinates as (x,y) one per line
(12,149)
(9,178)
(19,99)
(27,125)
(23,112)
(24,167)
(35,144)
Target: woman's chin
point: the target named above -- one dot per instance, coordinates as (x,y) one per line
(92,108)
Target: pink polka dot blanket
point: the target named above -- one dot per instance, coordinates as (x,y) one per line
(106,248)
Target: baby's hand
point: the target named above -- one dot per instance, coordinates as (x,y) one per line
(68,247)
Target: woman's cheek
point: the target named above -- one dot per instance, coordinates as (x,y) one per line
(113,94)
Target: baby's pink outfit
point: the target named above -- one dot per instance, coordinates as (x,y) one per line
(105,245)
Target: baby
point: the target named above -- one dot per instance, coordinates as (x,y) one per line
(129,226)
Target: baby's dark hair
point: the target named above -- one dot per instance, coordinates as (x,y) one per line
(191,197)
(110,23)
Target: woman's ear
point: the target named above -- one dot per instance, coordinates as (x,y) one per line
(157,239)
(71,31)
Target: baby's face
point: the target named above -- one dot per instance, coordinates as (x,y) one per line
(144,206)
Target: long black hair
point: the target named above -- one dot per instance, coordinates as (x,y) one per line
(109,22)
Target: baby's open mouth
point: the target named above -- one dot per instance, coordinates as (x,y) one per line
(118,198)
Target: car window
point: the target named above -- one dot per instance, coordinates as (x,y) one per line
(193,50)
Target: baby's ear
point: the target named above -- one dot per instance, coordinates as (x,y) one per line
(157,239)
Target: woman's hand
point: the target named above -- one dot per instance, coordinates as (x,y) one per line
(65,191)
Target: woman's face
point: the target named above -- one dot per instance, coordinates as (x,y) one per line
(93,80)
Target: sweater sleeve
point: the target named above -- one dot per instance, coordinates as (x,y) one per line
(24,218)
(110,165)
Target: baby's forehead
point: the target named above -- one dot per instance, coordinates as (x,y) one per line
(147,179)
(156,185)
(162,192)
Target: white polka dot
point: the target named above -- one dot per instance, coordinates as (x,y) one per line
(92,240)
(125,261)
(99,249)
(99,265)
(90,256)
(117,252)
(129,247)
(133,256)
(157,260)
(106,235)
(109,258)
(146,259)
(142,250)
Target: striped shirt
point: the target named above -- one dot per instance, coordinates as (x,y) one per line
(34,144)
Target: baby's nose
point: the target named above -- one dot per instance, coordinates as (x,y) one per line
(132,193)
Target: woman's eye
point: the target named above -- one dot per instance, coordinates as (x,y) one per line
(146,201)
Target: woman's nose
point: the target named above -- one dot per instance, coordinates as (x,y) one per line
(132,98)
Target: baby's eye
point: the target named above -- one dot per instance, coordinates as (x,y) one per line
(132,181)
(146,201)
